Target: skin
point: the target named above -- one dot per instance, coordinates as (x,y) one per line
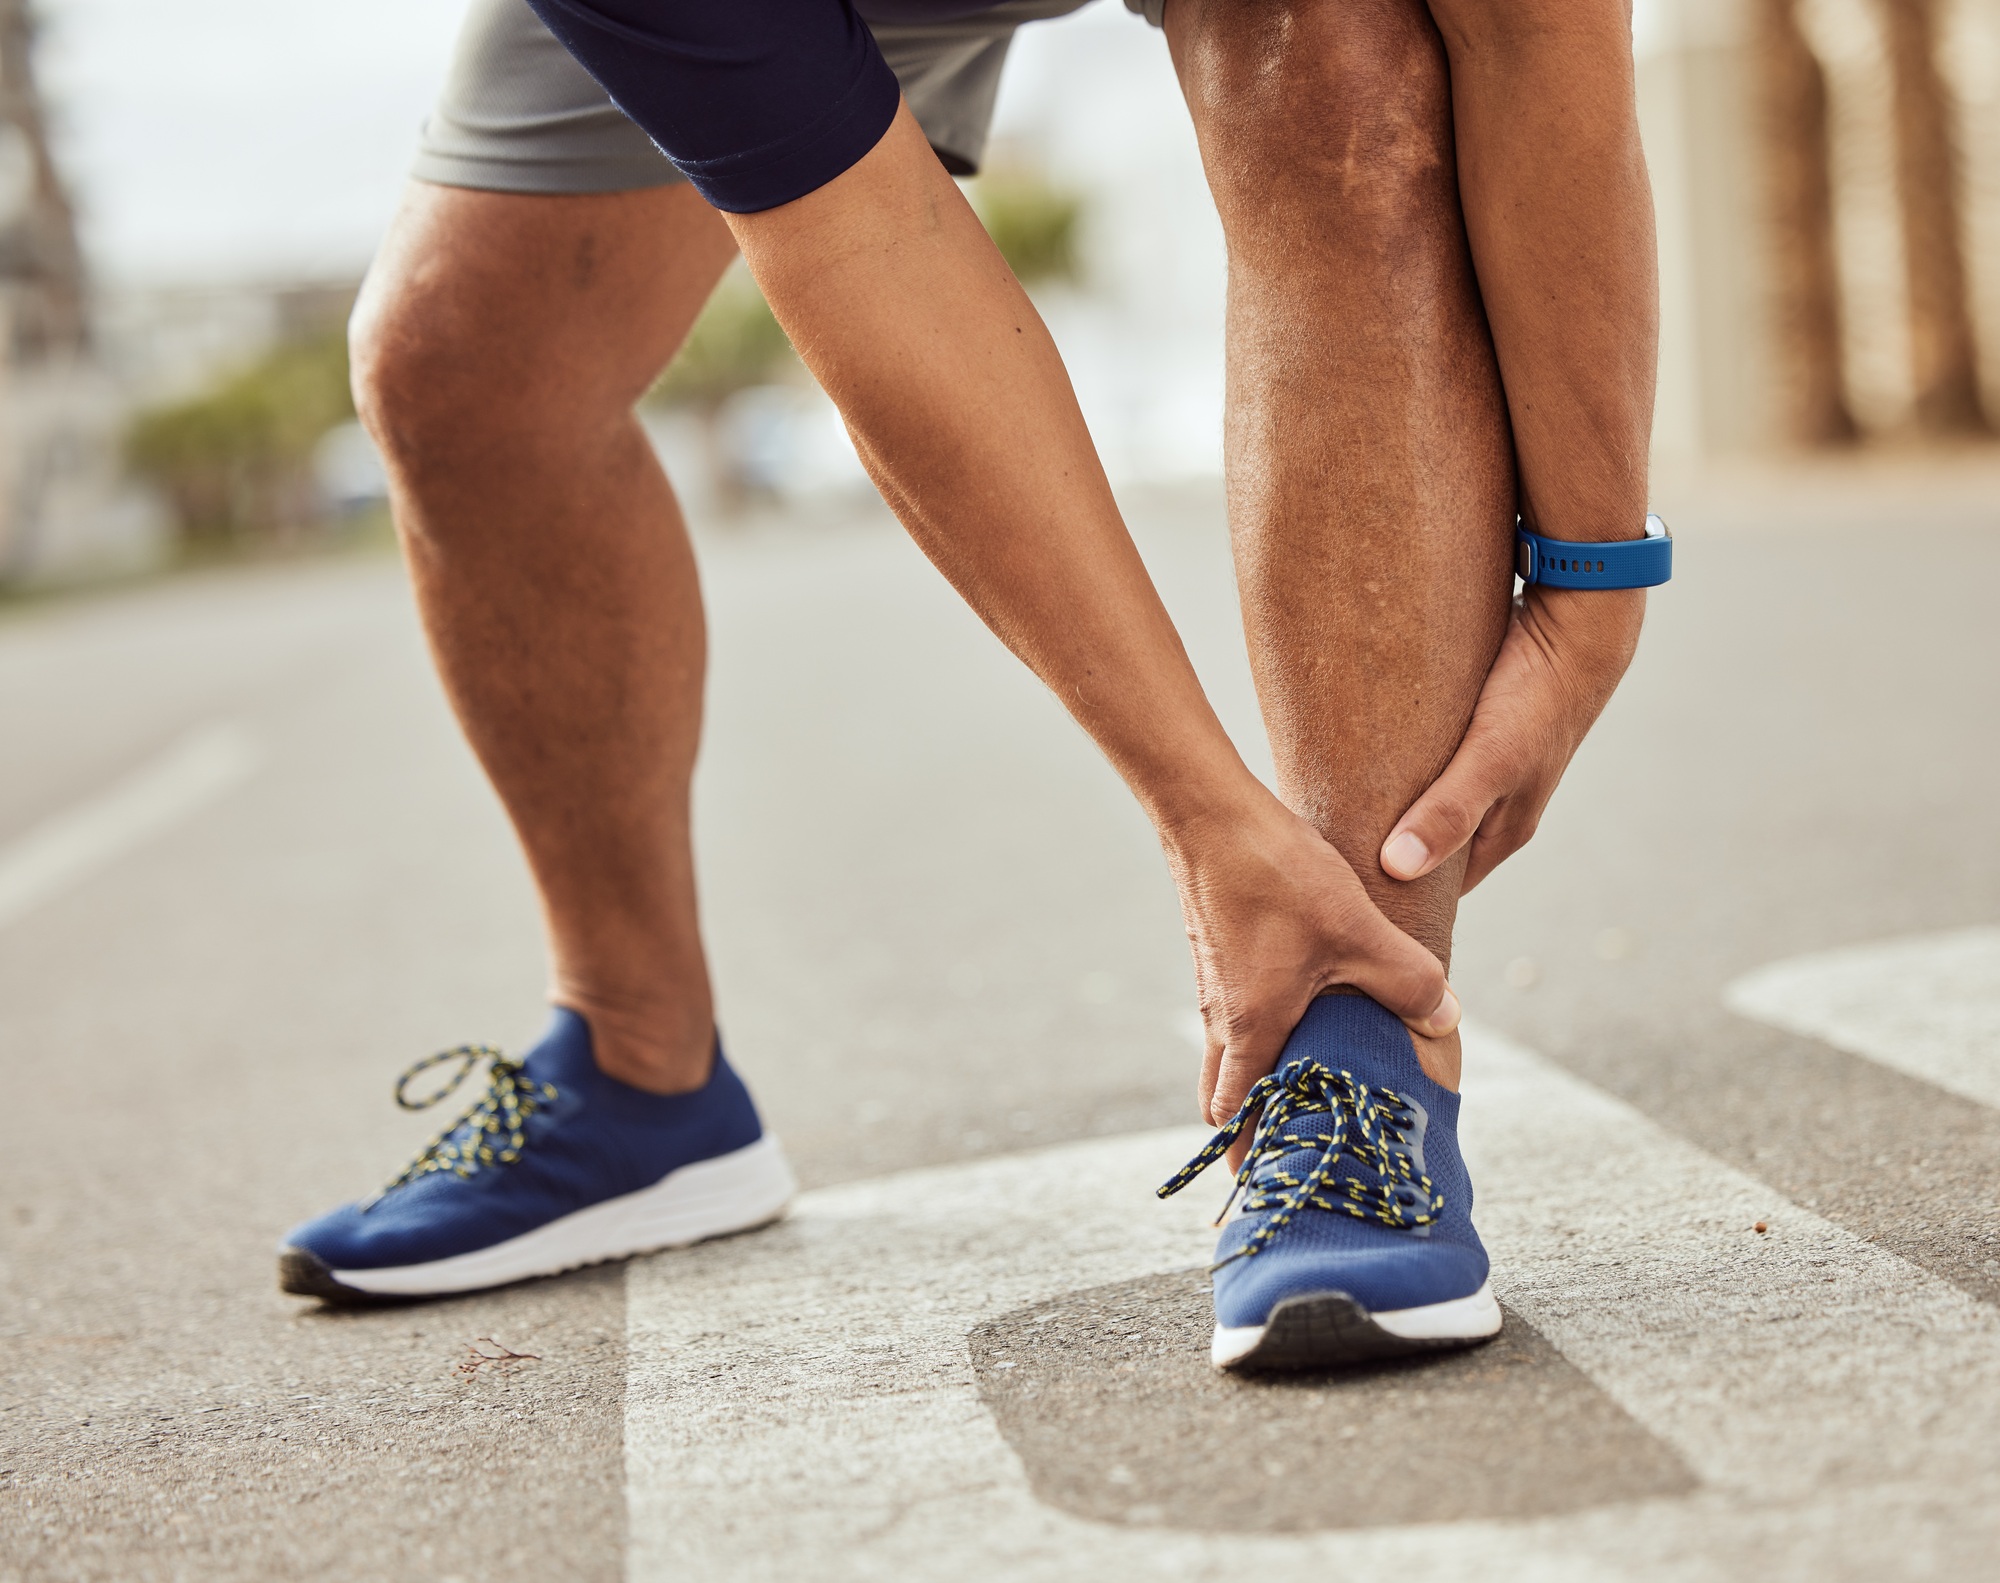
(529,504)
(1399,187)
(551,565)
(1559,214)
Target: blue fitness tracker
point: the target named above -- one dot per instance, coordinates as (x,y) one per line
(1619,563)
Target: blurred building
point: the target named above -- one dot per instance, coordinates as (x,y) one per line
(65,506)
(1091,100)
(85,367)
(1826,175)
(1091,103)
(163,342)
(1821,226)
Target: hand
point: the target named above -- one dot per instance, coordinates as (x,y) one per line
(1276,917)
(1561,658)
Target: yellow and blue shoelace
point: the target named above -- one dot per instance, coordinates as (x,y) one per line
(1371,1126)
(492,1132)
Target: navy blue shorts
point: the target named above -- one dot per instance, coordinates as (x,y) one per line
(758,102)
(518,114)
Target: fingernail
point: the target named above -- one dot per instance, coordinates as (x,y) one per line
(1445,1018)
(1405,854)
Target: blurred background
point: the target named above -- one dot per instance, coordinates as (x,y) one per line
(248,869)
(190,193)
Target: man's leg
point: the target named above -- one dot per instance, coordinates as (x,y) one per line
(499,345)
(1371,484)
(1371,498)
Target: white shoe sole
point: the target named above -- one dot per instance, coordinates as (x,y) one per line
(1326,1328)
(711,1198)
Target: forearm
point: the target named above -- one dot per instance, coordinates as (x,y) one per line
(960,407)
(1559,215)
(958,403)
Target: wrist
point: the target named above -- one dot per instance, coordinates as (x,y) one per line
(1589,634)
(1194,816)
(1595,562)
(1589,617)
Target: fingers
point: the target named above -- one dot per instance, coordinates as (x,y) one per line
(1445,817)
(1250,1040)
(1211,1070)
(1407,979)
(1396,971)
(1244,1061)
(1274,918)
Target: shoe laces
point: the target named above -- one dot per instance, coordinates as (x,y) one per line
(493,1132)
(1374,1127)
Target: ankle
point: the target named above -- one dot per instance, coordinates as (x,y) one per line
(1441,1059)
(662,1049)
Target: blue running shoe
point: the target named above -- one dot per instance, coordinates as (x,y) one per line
(1355,1238)
(556,1166)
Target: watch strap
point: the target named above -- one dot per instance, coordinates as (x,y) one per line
(1617,563)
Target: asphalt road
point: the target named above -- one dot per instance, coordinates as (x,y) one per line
(247,872)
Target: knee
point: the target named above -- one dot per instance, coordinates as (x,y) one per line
(402,369)
(447,380)
(1341,106)
(418,368)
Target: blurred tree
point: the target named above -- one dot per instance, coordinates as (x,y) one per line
(1799,186)
(735,344)
(235,462)
(39,254)
(1943,351)
(1033,223)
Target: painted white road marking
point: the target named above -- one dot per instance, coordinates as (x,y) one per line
(800,1403)
(1928,1006)
(71,846)
(1778,1364)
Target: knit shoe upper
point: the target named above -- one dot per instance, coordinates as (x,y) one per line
(553,1135)
(1353,1183)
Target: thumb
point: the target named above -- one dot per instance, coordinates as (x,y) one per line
(1408,980)
(1439,822)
